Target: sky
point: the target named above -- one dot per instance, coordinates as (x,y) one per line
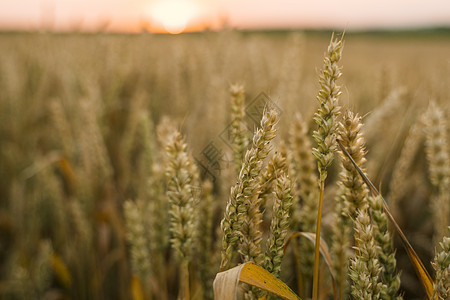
(178,15)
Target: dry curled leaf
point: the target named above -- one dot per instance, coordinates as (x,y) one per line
(226,283)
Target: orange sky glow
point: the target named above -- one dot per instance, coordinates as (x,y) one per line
(176,16)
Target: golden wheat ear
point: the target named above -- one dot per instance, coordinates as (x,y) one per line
(386,252)
(365,267)
(437,152)
(441,265)
(326,118)
(419,267)
(351,196)
(182,180)
(240,224)
(279,225)
(238,137)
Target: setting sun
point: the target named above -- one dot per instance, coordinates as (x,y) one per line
(174,15)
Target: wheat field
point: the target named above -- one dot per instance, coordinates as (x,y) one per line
(140,166)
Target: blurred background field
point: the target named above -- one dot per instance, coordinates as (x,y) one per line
(78,114)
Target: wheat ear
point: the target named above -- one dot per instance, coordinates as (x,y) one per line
(242,215)
(399,184)
(386,254)
(181,177)
(437,151)
(237,130)
(206,272)
(441,265)
(351,197)
(275,167)
(280,224)
(137,238)
(325,135)
(365,267)
(302,167)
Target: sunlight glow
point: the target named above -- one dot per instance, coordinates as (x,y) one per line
(174,15)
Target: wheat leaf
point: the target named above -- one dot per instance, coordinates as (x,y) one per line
(226,283)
